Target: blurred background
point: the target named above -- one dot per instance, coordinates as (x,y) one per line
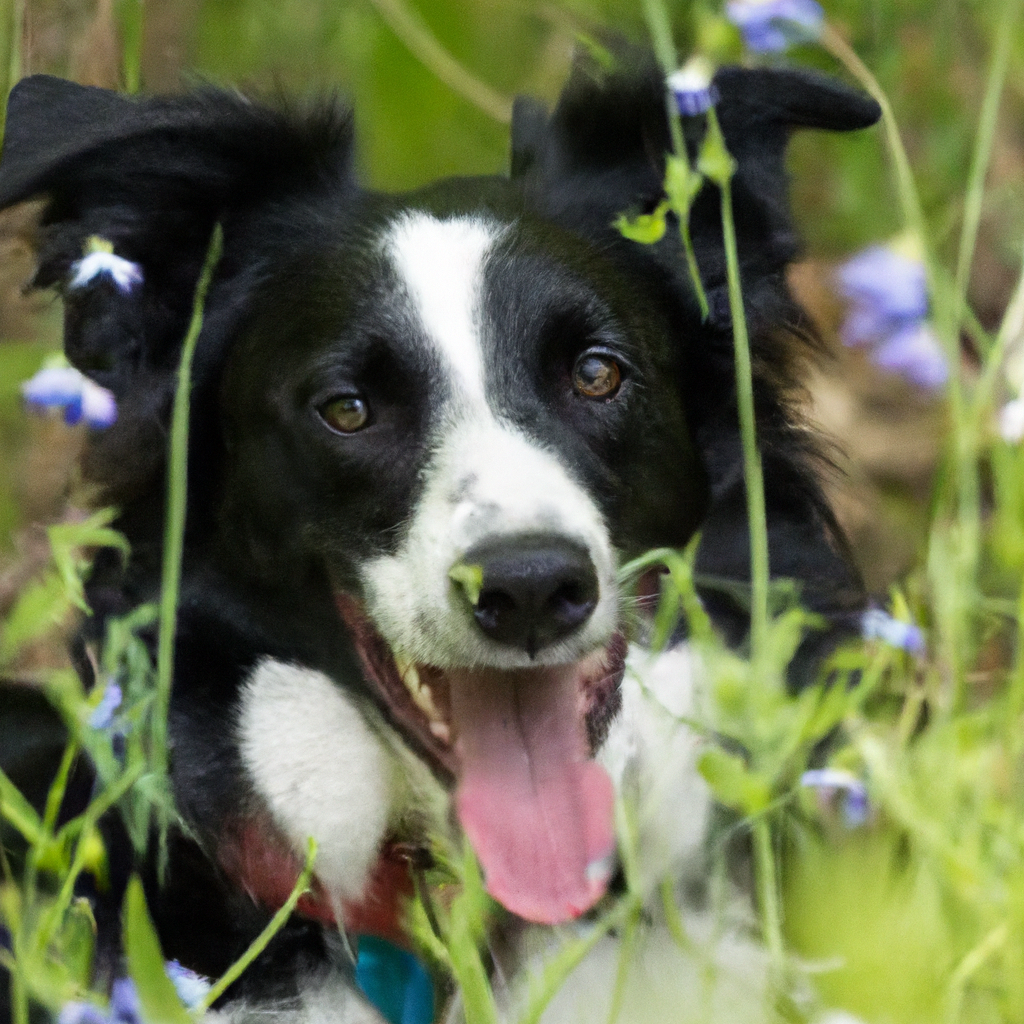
(431,82)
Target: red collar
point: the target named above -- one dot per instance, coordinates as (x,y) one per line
(259,860)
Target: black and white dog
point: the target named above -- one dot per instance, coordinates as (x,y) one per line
(426,431)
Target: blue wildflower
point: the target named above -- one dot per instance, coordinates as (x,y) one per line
(876,624)
(692,86)
(102,716)
(888,296)
(124,1002)
(192,988)
(64,388)
(833,783)
(771,26)
(100,261)
(124,1008)
(81,1013)
(915,352)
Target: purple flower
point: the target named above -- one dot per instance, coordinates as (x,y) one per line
(124,1002)
(888,296)
(832,784)
(885,290)
(914,351)
(192,988)
(64,388)
(876,624)
(101,261)
(124,1008)
(81,1013)
(693,88)
(102,716)
(771,26)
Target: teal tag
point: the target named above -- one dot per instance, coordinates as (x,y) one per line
(395,982)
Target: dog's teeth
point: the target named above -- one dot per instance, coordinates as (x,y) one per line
(411,677)
(423,698)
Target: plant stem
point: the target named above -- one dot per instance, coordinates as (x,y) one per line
(133,12)
(982,155)
(425,47)
(752,468)
(664,48)
(768,893)
(174,527)
(913,214)
(277,922)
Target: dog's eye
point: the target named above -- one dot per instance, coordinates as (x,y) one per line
(346,414)
(596,375)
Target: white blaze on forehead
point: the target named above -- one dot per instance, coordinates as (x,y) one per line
(441,264)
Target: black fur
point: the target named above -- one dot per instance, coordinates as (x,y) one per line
(279,513)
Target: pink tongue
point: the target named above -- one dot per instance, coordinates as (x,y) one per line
(537,811)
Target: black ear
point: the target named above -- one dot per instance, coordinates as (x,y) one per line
(602,150)
(149,178)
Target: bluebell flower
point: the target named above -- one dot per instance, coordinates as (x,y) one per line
(124,1002)
(124,1008)
(192,988)
(100,261)
(888,296)
(64,388)
(771,26)
(876,624)
(914,352)
(835,783)
(692,86)
(102,716)
(81,1013)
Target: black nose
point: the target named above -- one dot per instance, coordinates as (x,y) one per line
(534,591)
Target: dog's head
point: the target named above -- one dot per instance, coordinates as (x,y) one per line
(451,413)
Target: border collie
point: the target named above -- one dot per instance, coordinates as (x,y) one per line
(426,431)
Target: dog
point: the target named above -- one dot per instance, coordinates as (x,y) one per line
(426,431)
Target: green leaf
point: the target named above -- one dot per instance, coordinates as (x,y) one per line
(41,606)
(470,578)
(18,811)
(714,161)
(732,782)
(76,940)
(646,228)
(682,183)
(157,997)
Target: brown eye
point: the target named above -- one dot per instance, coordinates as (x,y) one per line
(596,375)
(346,414)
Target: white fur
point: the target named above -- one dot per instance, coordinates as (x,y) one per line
(651,754)
(320,768)
(487,481)
(322,1000)
(441,263)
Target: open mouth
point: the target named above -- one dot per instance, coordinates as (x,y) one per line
(517,744)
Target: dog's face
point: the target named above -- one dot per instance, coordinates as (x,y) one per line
(451,405)
(460,409)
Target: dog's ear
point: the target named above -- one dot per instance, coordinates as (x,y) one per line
(143,181)
(602,150)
